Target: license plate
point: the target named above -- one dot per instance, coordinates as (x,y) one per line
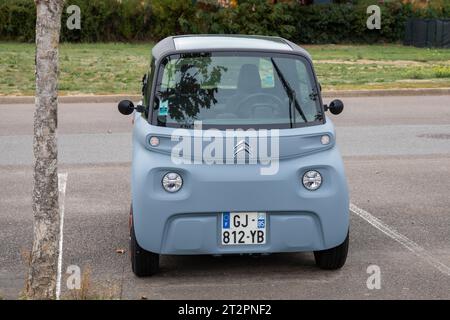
(243,228)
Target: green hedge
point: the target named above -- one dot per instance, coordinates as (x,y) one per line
(136,20)
(17,20)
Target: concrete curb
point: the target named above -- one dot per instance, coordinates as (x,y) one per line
(71,99)
(326,94)
(387,92)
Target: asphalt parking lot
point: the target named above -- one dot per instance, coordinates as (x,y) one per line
(397,156)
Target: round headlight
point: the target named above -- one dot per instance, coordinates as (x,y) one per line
(312,180)
(154,141)
(325,139)
(172,182)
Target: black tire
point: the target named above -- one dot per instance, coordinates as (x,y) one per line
(334,258)
(143,263)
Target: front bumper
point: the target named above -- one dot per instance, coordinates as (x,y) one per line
(188,222)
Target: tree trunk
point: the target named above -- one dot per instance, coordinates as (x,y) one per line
(41,282)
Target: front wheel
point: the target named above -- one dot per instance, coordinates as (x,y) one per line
(334,258)
(143,263)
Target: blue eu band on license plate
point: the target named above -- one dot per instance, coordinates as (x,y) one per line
(226,220)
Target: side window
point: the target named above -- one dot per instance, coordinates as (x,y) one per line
(144,84)
(306,89)
(147,87)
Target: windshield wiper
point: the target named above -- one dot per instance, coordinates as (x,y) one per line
(291,94)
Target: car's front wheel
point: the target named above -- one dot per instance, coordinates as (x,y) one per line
(143,263)
(334,258)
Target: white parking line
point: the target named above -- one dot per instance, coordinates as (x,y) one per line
(403,240)
(62,182)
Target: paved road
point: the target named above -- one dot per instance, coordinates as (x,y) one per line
(397,156)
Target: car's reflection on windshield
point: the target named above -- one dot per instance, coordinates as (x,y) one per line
(195,87)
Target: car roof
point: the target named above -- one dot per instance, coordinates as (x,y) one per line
(174,44)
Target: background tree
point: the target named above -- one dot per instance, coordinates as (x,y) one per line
(41,282)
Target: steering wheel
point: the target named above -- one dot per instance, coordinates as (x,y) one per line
(247,106)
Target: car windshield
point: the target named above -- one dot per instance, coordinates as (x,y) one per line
(236,90)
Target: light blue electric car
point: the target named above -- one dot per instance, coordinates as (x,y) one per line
(233,154)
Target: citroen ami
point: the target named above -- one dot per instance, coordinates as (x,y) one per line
(233,153)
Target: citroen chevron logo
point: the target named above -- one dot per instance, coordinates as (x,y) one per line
(259,148)
(241,147)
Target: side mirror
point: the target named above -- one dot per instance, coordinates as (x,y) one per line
(335,107)
(126,107)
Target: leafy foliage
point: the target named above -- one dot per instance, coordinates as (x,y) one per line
(137,20)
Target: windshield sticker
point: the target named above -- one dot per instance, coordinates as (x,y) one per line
(268,81)
(164,108)
(266,72)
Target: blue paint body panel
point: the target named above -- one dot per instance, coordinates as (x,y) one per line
(189,221)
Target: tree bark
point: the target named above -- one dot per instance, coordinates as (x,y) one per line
(41,282)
